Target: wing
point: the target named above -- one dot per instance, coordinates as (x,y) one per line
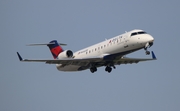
(126,60)
(71,61)
(98,61)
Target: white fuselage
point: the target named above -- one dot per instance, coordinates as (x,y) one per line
(122,43)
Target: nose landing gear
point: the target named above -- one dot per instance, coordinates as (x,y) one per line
(147,52)
(148,45)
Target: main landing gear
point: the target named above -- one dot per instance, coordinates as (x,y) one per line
(148,45)
(107,69)
(93,69)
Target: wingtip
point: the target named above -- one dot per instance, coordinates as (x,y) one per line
(153,55)
(19,56)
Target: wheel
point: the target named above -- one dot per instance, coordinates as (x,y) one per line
(93,69)
(108,69)
(147,52)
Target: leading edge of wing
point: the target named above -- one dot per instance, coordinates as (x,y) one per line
(141,59)
(62,61)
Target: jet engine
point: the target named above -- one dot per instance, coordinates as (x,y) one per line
(66,54)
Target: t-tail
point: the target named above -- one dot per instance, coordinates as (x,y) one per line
(55,48)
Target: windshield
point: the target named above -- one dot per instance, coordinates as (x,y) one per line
(137,33)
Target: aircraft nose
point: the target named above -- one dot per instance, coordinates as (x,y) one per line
(150,38)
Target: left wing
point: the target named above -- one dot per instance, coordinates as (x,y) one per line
(99,61)
(126,60)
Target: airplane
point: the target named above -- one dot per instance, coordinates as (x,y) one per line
(108,53)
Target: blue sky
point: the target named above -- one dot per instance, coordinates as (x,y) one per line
(37,86)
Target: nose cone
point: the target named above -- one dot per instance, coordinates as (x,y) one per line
(146,39)
(150,38)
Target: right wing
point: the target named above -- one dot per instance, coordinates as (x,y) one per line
(71,61)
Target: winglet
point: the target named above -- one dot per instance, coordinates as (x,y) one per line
(153,55)
(19,56)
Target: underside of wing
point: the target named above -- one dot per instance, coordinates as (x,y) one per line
(126,60)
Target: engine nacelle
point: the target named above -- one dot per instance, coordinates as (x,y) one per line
(66,54)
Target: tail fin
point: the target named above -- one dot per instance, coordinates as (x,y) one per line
(55,48)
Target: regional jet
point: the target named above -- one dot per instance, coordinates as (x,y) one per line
(108,53)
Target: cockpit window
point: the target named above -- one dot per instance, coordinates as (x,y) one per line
(137,33)
(142,32)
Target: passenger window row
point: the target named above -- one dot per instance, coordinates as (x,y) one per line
(101,47)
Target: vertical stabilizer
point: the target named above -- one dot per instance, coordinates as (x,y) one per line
(55,48)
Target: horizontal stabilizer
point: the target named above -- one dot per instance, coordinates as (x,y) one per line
(45,44)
